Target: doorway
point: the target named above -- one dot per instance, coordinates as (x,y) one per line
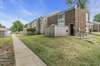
(72,29)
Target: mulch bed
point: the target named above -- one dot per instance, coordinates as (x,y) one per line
(7,55)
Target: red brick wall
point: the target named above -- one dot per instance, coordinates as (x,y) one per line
(70,17)
(80,19)
(52,20)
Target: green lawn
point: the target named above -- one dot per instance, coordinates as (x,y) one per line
(96,33)
(6,40)
(64,51)
(96,37)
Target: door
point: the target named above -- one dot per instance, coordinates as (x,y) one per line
(72,29)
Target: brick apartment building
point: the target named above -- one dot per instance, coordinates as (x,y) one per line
(70,22)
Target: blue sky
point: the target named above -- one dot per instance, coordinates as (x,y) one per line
(27,10)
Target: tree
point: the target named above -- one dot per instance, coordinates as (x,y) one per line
(0,25)
(79,3)
(31,31)
(17,26)
(97,17)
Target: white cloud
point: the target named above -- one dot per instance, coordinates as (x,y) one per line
(8,22)
(7,19)
(23,12)
(26,12)
(42,6)
(94,8)
(39,9)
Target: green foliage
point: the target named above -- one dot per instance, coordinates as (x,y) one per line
(97,17)
(0,25)
(80,3)
(31,31)
(6,40)
(17,26)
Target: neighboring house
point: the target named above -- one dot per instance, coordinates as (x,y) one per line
(29,26)
(41,25)
(3,32)
(38,24)
(95,26)
(71,22)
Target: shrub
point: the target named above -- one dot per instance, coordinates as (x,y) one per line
(31,31)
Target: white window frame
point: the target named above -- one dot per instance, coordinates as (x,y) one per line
(61,21)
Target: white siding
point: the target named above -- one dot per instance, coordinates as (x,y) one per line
(55,30)
(61,31)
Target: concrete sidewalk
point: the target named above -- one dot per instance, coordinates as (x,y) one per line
(24,56)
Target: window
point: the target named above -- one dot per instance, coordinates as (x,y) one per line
(61,20)
(87,17)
